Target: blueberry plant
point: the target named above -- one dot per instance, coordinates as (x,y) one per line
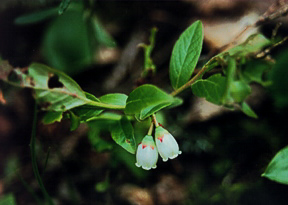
(61,97)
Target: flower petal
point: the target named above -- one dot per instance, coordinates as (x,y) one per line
(147,154)
(166,144)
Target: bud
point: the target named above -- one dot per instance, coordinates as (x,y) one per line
(166,144)
(147,154)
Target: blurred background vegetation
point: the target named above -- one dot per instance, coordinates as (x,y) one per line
(95,42)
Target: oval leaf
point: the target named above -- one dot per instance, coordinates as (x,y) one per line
(53,90)
(277,169)
(51,117)
(146,100)
(212,88)
(123,134)
(114,99)
(185,54)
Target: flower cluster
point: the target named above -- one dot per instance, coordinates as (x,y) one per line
(147,151)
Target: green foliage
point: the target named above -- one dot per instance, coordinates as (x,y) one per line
(63,6)
(66,45)
(74,121)
(148,62)
(251,46)
(51,117)
(53,90)
(96,128)
(36,17)
(212,88)
(254,70)
(118,126)
(239,91)
(146,100)
(185,54)
(239,71)
(248,111)
(114,99)
(69,44)
(277,169)
(86,112)
(71,38)
(100,35)
(123,134)
(8,199)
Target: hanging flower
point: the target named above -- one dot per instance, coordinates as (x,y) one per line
(166,144)
(147,154)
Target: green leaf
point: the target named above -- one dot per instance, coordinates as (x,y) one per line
(106,123)
(254,70)
(146,100)
(123,134)
(66,44)
(147,111)
(36,17)
(63,6)
(230,72)
(51,117)
(277,169)
(107,116)
(245,108)
(96,127)
(53,90)
(176,102)
(185,54)
(212,88)
(8,199)
(74,121)
(239,90)
(252,45)
(86,112)
(149,65)
(100,34)
(114,99)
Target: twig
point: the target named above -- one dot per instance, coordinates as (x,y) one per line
(190,82)
(266,17)
(267,50)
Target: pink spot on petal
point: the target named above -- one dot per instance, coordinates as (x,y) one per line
(144,146)
(152,147)
(161,138)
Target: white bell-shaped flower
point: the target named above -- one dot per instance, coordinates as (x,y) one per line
(147,154)
(166,144)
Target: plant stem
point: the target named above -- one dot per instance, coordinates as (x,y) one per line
(196,77)
(34,161)
(150,129)
(154,120)
(105,105)
(47,157)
